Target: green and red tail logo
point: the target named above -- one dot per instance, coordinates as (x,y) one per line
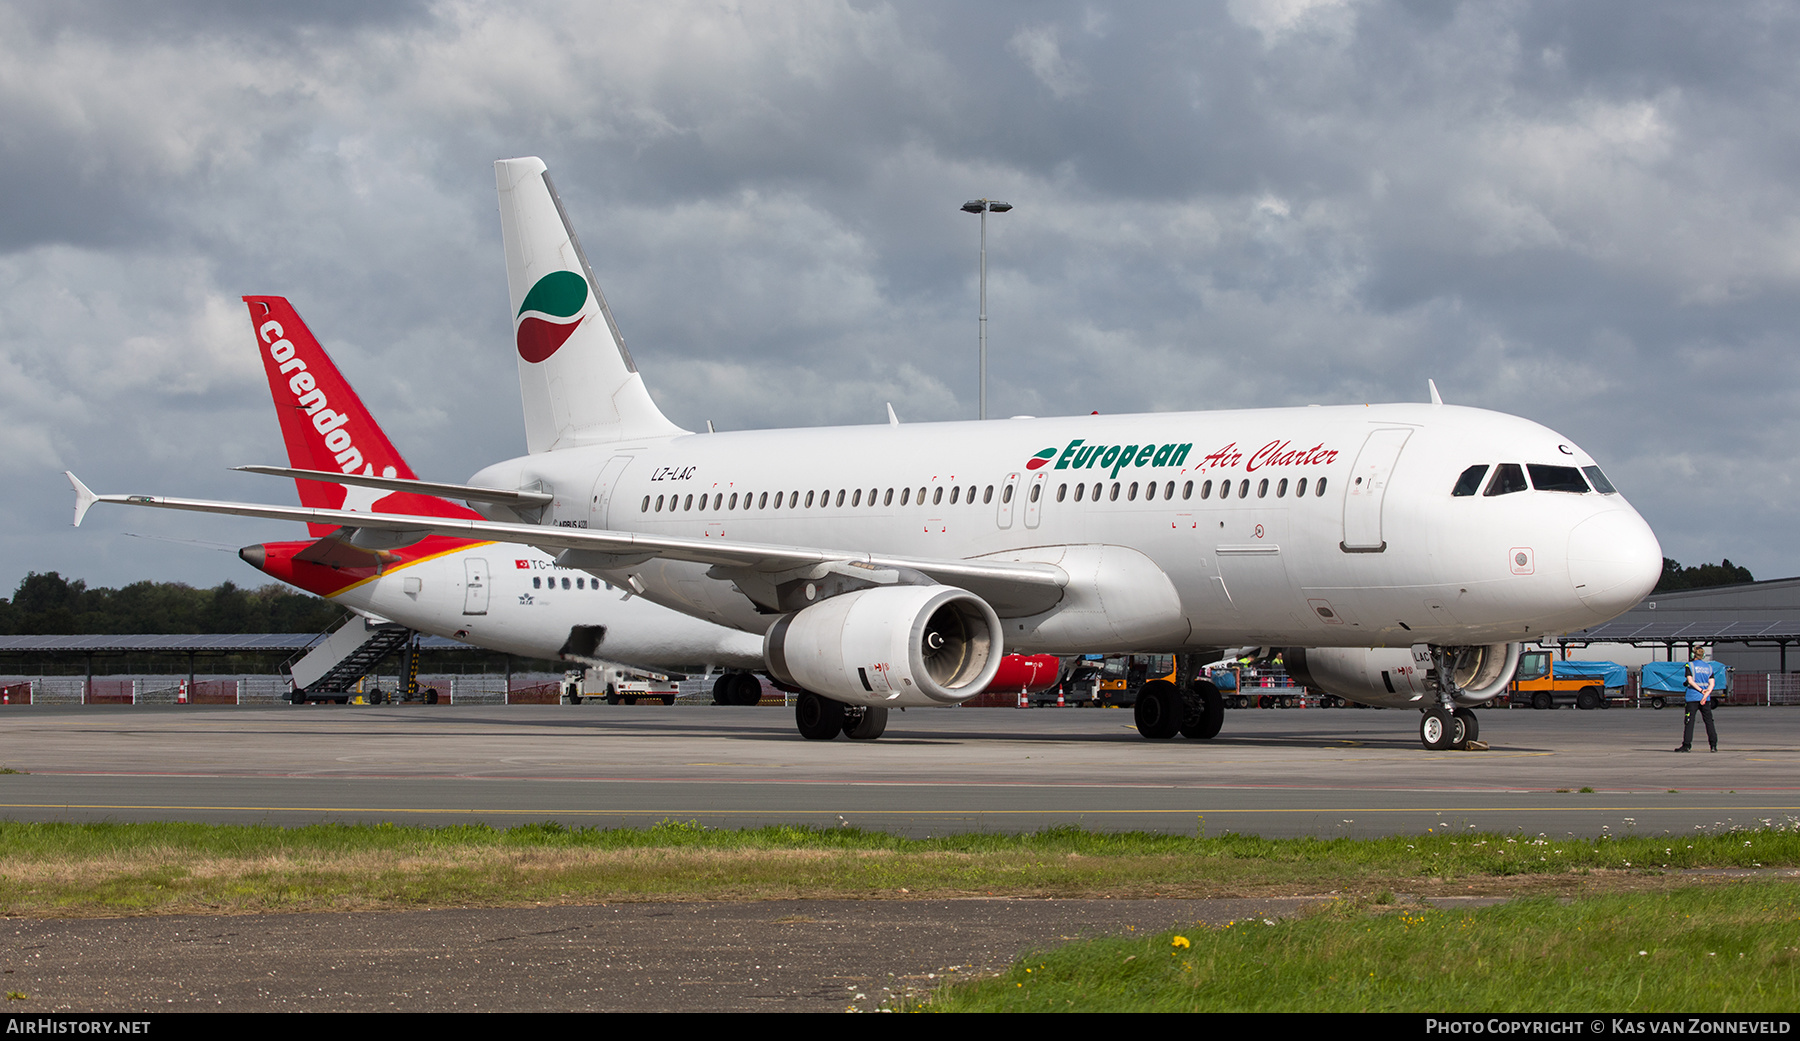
(1041,460)
(550,314)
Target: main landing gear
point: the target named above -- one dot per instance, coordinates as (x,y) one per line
(822,719)
(1164,710)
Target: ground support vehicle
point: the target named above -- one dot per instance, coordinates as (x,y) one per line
(618,684)
(1543,682)
(1663,683)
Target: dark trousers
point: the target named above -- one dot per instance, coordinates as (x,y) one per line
(1704,710)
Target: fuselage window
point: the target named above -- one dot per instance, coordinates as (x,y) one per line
(1547,478)
(1262,489)
(955,495)
(1114,497)
(646,506)
(793,499)
(1508,478)
(1131,493)
(1281,489)
(1599,481)
(809,500)
(1206,490)
(762,501)
(1006,494)
(537,583)
(581,583)
(1321,489)
(565,583)
(689,504)
(937,497)
(1470,481)
(987,496)
(856,497)
(1078,490)
(1062,490)
(1036,489)
(888,499)
(733,503)
(1169,490)
(872,492)
(905,496)
(1187,490)
(1224,489)
(1149,491)
(718,499)
(921,495)
(1244,488)
(1096,494)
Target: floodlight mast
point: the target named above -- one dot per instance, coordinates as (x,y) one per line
(984,207)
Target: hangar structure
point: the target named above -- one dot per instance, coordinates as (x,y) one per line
(1749,626)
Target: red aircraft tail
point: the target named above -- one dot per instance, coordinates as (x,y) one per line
(324,423)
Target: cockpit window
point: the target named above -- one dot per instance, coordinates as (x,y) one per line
(1599,481)
(1470,481)
(1508,478)
(1556,478)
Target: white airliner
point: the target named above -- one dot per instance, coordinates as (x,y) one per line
(1400,552)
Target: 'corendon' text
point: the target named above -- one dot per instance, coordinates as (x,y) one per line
(307,395)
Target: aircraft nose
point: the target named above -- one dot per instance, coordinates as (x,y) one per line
(1614,561)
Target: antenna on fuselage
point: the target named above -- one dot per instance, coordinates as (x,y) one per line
(893,420)
(1435,399)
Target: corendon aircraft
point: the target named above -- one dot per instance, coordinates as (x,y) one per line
(511,598)
(1402,551)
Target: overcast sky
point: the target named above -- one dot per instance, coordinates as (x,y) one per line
(1585,214)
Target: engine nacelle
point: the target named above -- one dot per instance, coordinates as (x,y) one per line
(1396,677)
(893,645)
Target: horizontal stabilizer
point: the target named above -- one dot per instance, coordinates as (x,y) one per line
(465,492)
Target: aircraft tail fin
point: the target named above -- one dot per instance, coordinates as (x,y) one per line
(325,425)
(578,381)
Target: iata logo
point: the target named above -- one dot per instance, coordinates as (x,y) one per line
(550,314)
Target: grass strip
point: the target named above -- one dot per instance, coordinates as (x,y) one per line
(1716,948)
(108,869)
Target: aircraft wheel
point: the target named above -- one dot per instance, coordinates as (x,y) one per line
(1437,729)
(818,718)
(868,726)
(1204,724)
(1587,699)
(1160,711)
(1541,701)
(1471,727)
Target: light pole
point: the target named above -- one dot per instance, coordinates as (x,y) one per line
(984,207)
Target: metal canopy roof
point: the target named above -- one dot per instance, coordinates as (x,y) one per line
(1705,630)
(186,643)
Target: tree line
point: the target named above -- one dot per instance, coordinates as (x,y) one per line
(49,604)
(1700,576)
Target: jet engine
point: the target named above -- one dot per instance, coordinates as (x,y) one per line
(891,645)
(1399,676)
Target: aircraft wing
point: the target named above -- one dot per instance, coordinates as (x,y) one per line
(1013,588)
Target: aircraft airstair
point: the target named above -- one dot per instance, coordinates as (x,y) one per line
(329,671)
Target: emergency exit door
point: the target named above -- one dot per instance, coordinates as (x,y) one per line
(475,586)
